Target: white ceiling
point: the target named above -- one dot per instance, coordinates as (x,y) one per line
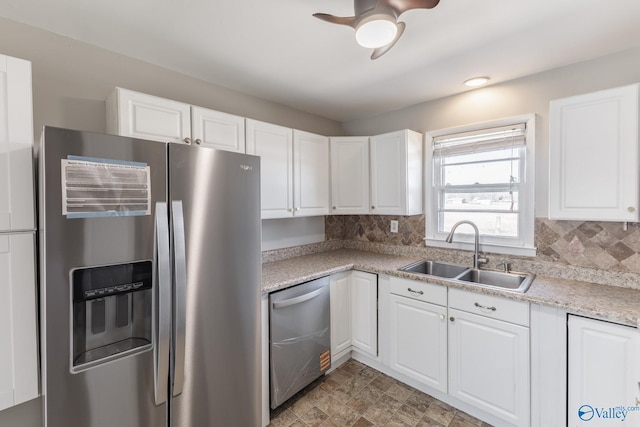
(276,50)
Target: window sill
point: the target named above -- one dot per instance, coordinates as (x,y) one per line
(484,247)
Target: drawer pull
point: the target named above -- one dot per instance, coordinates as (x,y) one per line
(442,317)
(415,292)
(484,307)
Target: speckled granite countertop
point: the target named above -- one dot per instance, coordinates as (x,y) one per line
(617,304)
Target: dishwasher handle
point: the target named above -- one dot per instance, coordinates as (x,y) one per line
(299,299)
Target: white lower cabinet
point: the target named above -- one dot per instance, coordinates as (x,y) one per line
(364,312)
(489,365)
(354,313)
(419,340)
(603,373)
(18,335)
(340,314)
(471,347)
(489,354)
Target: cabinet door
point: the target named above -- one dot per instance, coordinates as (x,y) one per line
(489,365)
(311,174)
(16,141)
(364,320)
(139,115)
(419,341)
(396,173)
(603,372)
(18,336)
(215,129)
(340,314)
(593,154)
(350,175)
(274,145)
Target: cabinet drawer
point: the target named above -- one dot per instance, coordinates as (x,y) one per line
(435,294)
(490,306)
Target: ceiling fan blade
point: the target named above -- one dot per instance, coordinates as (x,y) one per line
(341,20)
(378,52)
(401,6)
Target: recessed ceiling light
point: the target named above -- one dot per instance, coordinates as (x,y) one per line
(476,81)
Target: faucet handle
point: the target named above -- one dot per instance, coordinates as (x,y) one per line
(480,260)
(505,266)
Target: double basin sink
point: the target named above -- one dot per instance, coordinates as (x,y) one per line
(510,281)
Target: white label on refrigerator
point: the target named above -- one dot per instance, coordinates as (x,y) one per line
(93,188)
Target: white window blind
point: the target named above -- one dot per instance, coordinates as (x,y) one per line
(481,175)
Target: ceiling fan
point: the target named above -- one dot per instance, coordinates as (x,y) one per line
(376,21)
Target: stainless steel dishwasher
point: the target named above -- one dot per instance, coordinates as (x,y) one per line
(300,337)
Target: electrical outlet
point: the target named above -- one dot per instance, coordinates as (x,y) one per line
(394,226)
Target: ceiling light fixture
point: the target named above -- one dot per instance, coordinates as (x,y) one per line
(376,21)
(376,31)
(476,81)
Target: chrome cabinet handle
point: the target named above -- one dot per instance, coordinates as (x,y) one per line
(187,140)
(484,307)
(415,292)
(373,207)
(198,141)
(334,207)
(442,317)
(452,318)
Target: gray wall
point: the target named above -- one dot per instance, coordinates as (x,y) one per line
(522,96)
(71,80)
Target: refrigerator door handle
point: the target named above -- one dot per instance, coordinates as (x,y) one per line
(162,283)
(180,296)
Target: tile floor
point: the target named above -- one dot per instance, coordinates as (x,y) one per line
(359,396)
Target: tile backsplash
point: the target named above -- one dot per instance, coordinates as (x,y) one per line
(598,245)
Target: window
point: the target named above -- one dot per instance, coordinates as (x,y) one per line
(483,173)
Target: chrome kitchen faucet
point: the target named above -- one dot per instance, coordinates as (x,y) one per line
(476,260)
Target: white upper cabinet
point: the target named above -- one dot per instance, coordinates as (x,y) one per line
(294,170)
(396,173)
(139,115)
(16,145)
(350,175)
(219,130)
(311,174)
(274,145)
(593,152)
(604,372)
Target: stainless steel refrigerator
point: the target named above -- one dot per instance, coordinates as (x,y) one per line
(150,283)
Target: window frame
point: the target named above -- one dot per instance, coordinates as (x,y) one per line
(464,239)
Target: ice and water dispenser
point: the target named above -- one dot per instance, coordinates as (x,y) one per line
(112,312)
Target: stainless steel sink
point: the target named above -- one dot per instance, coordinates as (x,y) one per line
(509,281)
(434,268)
(518,282)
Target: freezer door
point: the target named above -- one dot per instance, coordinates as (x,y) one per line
(82,247)
(216,379)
